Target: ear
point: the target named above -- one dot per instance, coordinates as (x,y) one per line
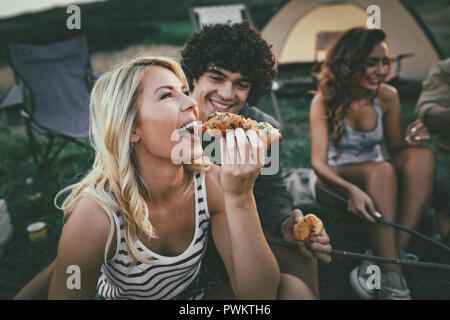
(134,137)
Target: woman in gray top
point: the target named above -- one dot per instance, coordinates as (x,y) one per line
(353,111)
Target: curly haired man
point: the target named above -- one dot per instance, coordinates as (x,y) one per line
(230,68)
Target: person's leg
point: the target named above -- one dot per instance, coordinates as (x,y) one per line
(294,263)
(290,288)
(441,192)
(415,171)
(37,288)
(444,223)
(379,181)
(221,291)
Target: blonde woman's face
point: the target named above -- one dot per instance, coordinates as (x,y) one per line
(164,108)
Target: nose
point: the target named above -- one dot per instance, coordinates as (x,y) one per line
(188,103)
(226,90)
(381,68)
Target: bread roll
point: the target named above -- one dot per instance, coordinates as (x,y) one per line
(307,227)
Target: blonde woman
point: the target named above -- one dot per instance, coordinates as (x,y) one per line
(137,224)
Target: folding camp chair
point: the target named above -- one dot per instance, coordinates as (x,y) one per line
(202,16)
(51,94)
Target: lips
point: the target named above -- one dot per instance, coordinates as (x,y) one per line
(219,106)
(189,126)
(374,80)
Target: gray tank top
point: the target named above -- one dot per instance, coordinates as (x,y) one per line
(358,146)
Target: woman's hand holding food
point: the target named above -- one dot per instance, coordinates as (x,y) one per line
(242,155)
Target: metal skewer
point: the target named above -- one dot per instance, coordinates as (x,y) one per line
(388,223)
(430,265)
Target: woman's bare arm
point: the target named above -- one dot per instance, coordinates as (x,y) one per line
(238,236)
(319,147)
(80,252)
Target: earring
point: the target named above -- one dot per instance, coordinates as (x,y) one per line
(134,138)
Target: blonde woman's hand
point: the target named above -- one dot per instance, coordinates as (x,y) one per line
(360,204)
(242,155)
(417,133)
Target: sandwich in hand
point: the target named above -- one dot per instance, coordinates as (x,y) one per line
(218,123)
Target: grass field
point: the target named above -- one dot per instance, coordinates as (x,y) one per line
(21,260)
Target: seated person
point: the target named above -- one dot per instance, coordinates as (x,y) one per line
(230,68)
(433,109)
(353,111)
(138,223)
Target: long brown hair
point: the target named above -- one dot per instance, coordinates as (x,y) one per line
(342,70)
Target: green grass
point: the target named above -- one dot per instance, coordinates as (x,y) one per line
(22,260)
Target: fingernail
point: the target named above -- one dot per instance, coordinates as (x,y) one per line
(413,129)
(377,214)
(416,138)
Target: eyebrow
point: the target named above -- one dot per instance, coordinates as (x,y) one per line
(220,73)
(168,87)
(378,58)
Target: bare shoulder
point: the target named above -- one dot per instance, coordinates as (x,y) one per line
(90,214)
(88,224)
(82,244)
(318,99)
(387,93)
(214,190)
(318,104)
(317,112)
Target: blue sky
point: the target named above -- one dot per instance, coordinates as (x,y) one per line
(10,8)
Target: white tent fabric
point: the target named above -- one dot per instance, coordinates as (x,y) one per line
(297,29)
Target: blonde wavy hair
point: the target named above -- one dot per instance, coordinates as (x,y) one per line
(113,112)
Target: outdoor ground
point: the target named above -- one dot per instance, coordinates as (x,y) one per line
(20,260)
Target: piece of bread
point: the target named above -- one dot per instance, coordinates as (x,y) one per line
(218,123)
(307,227)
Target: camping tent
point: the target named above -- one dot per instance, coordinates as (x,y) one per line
(302,30)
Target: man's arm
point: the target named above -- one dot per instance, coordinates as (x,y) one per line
(433,107)
(437,120)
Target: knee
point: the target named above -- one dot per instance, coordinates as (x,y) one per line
(292,288)
(416,160)
(382,173)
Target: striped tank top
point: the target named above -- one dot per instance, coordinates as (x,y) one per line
(167,276)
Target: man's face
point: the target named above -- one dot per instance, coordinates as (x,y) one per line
(220,90)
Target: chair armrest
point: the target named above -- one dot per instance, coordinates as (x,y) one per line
(14,97)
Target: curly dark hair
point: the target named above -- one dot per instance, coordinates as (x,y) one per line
(236,48)
(344,65)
